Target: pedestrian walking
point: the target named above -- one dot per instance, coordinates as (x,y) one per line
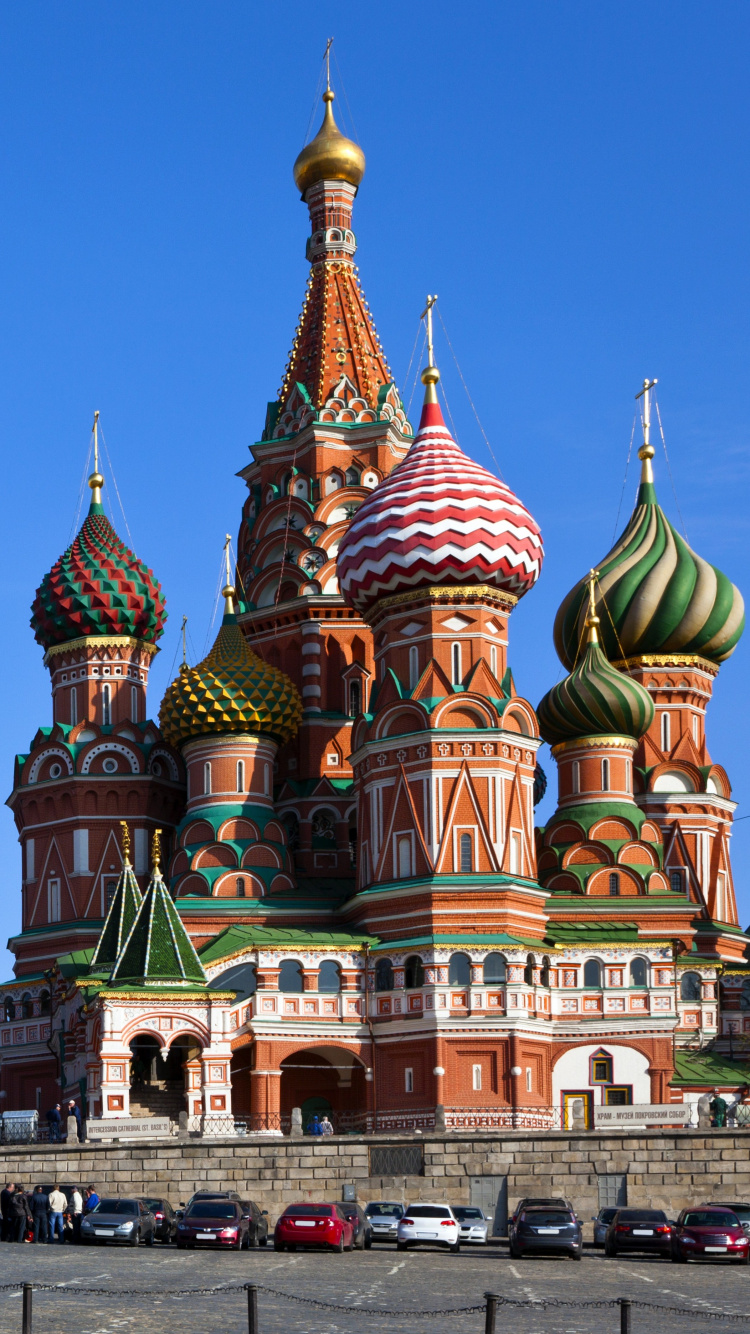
(325,1126)
(6,1197)
(718,1110)
(54,1121)
(75,1210)
(74,1110)
(20,1214)
(57,1206)
(313,1127)
(39,1205)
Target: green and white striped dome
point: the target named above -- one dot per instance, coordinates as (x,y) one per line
(595,699)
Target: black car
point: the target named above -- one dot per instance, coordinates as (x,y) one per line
(549,1229)
(363,1232)
(639,1230)
(210,1195)
(166,1223)
(126,1220)
(257,1223)
(532,1201)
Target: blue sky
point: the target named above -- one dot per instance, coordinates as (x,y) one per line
(570,178)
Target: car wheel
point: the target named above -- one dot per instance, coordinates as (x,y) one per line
(277,1245)
(253,1241)
(745,1259)
(455,1248)
(180,1245)
(339,1247)
(150,1239)
(368,1244)
(576,1255)
(401,1246)
(135,1239)
(292,1247)
(610,1252)
(165,1239)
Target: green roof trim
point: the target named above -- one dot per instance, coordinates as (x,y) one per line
(243,937)
(158,948)
(708,1067)
(568,932)
(462,938)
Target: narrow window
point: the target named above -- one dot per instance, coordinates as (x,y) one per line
(665,732)
(73,706)
(465,852)
(30,859)
(528,972)
(384,975)
(721,895)
(409,1079)
(605,775)
(493,659)
(404,856)
(575,776)
(267,779)
(240,775)
(413,973)
(528,1079)
(515,854)
(696,729)
(638,973)
(494,969)
(355,705)
(614,884)
(592,973)
(456,662)
(106,706)
(53,900)
(109,893)
(207,779)
(476,1078)
(413,666)
(628,775)
(241,887)
(675,882)
(134,704)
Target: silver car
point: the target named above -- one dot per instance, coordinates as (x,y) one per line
(474,1224)
(601,1224)
(384,1216)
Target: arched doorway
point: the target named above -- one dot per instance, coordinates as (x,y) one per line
(158,1075)
(325,1081)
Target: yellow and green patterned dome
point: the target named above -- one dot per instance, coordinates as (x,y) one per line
(232,690)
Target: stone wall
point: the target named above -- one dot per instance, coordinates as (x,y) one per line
(665,1169)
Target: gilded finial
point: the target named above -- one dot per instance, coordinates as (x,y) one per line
(592,620)
(125,842)
(430,374)
(156,854)
(646,451)
(184,644)
(96,481)
(330,156)
(228,591)
(329,44)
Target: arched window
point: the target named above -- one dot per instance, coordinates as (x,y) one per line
(384,975)
(515,854)
(329,976)
(106,705)
(44,1003)
(592,973)
(545,971)
(493,660)
(628,775)
(459,971)
(134,704)
(290,976)
(413,972)
(494,971)
(638,973)
(207,779)
(241,977)
(355,699)
(605,775)
(666,732)
(240,775)
(241,887)
(528,972)
(690,987)
(73,706)
(465,852)
(614,884)
(676,883)
(27,1006)
(575,776)
(413,666)
(456,664)
(9,1009)
(404,855)
(351,477)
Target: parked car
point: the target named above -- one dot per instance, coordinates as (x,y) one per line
(313,1225)
(384,1216)
(210,1195)
(473,1224)
(546,1229)
(741,1210)
(639,1230)
(429,1225)
(601,1223)
(127,1220)
(361,1224)
(214,1222)
(711,1233)
(166,1223)
(529,1201)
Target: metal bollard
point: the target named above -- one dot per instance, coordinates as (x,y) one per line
(252,1308)
(490,1315)
(26,1317)
(626,1326)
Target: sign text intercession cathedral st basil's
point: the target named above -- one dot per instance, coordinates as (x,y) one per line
(317,882)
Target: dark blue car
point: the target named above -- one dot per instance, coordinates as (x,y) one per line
(547,1231)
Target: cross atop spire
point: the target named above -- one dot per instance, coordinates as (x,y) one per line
(646,451)
(592,620)
(229,590)
(430,374)
(96,481)
(329,44)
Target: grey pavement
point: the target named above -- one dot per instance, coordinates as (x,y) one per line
(381,1278)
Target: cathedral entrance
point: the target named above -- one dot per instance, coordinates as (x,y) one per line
(158,1075)
(325,1081)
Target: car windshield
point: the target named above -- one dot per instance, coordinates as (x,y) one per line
(212,1209)
(463,1215)
(384,1211)
(641,1216)
(741,1210)
(116,1207)
(606,1215)
(427,1211)
(710,1218)
(154,1204)
(309,1211)
(546,1217)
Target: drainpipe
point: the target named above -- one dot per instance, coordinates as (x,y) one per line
(515,1071)
(368,1021)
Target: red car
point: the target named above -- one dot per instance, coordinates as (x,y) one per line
(214,1223)
(313,1225)
(709,1234)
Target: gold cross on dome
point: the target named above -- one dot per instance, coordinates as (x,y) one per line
(329,44)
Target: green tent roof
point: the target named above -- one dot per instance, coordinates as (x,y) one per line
(158,948)
(123,911)
(709,1067)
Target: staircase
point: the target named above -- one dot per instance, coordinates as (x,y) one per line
(157,1099)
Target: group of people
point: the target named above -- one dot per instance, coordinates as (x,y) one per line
(58,1132)
(319,1125)
(40,1215)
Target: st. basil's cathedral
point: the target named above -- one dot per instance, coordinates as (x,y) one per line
(316,882)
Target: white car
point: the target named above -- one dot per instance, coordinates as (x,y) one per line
(429,1225)
(473,1224)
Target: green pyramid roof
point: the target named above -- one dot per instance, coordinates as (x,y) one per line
(158,949)
(122,913)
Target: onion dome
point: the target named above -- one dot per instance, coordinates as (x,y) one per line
(438,519)
(330,156)
(595,699)
(97,587)
(655,595)
(231,690)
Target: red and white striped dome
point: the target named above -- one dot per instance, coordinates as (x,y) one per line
(438,519)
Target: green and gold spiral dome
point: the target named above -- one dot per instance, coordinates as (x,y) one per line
(231,690)
(654,595)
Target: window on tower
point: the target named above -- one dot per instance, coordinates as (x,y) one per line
(676,882)
(207,779)
(240,887)
(665,732)
(575,776)
(465,853)
(493,659)
(605,775)
(134,704)
(456,664)
(404,856)
(614,884)
(240,775)
(73,706)
(413,666)
(355,697)
(106,705)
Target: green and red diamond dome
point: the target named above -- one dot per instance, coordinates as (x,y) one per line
(97,587)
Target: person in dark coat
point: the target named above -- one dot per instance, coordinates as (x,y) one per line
(54,1121)
(74,1110)
(20,1214)
(6,1199)
(39,1205)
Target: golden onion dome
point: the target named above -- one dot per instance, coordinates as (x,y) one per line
(231,690)
(330,156)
